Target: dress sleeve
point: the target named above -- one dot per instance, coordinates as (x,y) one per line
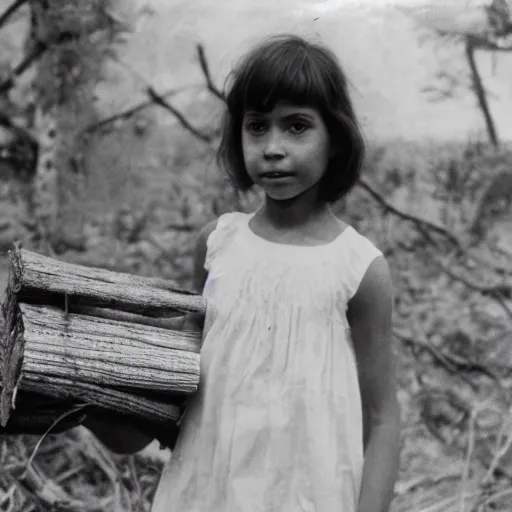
(360,259)
(220,238)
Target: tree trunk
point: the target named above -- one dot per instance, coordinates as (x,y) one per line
(66,77)
(481,95)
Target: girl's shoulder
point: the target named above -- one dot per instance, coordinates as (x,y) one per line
(218,233)
(361,243)
(359,254)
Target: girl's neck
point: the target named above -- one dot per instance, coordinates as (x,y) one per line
(295,213)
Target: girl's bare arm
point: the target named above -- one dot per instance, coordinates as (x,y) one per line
(370,318)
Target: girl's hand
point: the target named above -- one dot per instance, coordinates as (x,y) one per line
(123,434)
(118,432)
(193,322)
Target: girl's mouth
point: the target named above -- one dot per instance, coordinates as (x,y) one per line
(276,175)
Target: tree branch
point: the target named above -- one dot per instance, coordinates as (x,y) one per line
(496,292)
(158,100)
(7,122)
(206,71)
(29,59)
(480,93)
(4,17)
(453,364)
(437,354)
(421,223)
(125,114)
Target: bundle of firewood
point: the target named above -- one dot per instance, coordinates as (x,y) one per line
(78,338)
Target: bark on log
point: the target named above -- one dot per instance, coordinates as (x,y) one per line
(151,411)
(39,279)
(105,352)
(61,342)
(102,361)
(175,322)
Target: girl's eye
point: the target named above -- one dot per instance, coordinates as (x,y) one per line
(298,127)
(255,126)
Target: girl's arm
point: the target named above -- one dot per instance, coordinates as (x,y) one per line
(370,317)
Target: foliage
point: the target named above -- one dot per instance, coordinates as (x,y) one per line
(451,341)
(149,189)
(478,27)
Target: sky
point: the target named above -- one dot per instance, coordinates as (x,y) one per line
(376,42)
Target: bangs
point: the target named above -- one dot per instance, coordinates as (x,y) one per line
(289,74)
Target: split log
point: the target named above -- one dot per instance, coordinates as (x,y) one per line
(102,361)
(38,279)
(105,352)
(83,335)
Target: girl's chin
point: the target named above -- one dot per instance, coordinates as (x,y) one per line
(280,194)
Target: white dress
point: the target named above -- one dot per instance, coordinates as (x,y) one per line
(276,424)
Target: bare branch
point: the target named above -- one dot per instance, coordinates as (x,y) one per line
(8,123)
(489,33)
(502,447)
(126,114)
(500,289)
(452,363)
(422,223)
(481,93)
(469,453)
(4,17)
(484,37)
(501,301)
(496,292)
(206,71)
(436,353)
(29,59)
(158,100)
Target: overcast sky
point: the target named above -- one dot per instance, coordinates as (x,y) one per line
(376,42)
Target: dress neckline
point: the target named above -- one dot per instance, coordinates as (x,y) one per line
(287,246)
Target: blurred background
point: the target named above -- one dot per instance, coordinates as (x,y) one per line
(109,121)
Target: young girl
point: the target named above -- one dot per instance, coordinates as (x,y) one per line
(297,407)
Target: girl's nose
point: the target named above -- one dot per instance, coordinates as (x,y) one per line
(274,147)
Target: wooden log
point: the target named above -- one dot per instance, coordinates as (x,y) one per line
(105,352)
(35,413)
(145,409)
(92,335)
(11,355)
(101,361)
(40,279)
(180,322)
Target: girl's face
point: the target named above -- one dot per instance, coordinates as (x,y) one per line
(290,141)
